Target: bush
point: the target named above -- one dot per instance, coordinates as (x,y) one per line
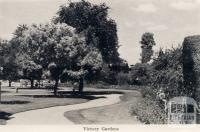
(163,76)
(49,86)
(100,85)
(107,76)
(164,73)
(139,74)
(122,78)
(65,84)
(148,91)
(148,111)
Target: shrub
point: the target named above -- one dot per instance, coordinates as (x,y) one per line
(163,76)
(65,84)
(165,73)
(148,111)
(122,78)
(139,74)
(49,86)
(107,76)
(148,91)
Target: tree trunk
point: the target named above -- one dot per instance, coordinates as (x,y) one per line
(10,82)
(56,87)
(39,84)
(32,83)
(81,86)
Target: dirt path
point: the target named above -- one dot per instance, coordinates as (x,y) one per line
(55,115)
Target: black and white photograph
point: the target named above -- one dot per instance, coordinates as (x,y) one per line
(99,62)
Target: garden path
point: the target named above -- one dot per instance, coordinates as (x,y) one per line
(55,115)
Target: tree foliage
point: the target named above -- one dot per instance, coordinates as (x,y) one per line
(57,48)
(163,74)
(147,42)
(100,31)
(8,62)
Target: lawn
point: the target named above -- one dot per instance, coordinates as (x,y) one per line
(113,114)
(31,99)
(28,99)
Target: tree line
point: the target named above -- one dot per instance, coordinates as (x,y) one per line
(81,43)
(76,44)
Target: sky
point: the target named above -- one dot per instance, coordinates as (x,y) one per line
(169,20)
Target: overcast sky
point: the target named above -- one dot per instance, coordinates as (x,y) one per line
(169,20)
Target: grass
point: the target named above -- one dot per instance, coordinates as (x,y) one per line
(106,86)
(113,114)
(15,104)
(29,99)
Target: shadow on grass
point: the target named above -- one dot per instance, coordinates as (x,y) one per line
(89,95)
(4,115)
(91,92)
(64,96)
(14,102)
(35,88)
(5,91)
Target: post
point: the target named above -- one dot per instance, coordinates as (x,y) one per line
(17,90)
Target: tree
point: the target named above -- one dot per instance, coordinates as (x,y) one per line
(46,46)
(32,72)
(166,72)
(147,42)
(8,62)
(10,69)
(139,74)
(3,52)
(90,63)
(101,31)
(56,47)
(23,55)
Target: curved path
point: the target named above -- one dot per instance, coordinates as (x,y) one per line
(55,115)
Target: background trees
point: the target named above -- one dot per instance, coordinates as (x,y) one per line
(100,31)
(8,62)
(163,74)
(81,43)
(139,74)
(3,51)
(147,42)
(29,69)
(10,69)
(58,47)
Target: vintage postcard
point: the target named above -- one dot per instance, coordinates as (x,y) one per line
(99,65)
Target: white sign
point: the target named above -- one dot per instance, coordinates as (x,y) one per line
(182,110)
